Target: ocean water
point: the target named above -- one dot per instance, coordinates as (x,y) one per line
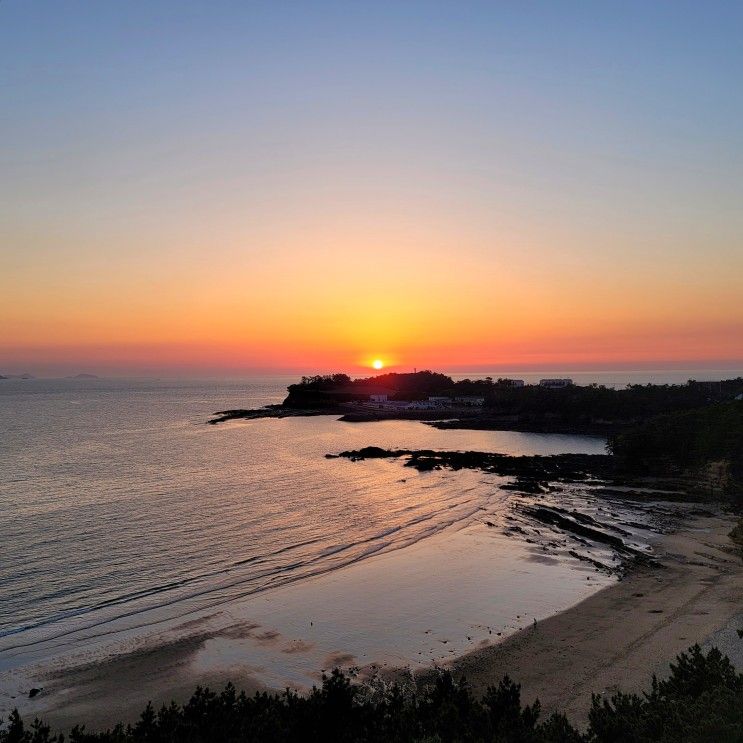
(118,500)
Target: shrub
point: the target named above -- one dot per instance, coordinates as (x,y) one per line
(701,700)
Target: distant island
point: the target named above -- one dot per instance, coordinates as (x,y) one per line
(26,375)
(84,376)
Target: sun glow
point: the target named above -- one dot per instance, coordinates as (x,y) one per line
(377,364)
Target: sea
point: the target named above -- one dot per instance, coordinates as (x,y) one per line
(119,505)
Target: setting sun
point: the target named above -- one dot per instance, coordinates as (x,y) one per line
(377,364)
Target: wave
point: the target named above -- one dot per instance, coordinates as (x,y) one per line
(452,511)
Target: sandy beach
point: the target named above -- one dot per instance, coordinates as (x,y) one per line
(617,638)
(613,639)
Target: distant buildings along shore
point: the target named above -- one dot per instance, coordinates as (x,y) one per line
(382,399)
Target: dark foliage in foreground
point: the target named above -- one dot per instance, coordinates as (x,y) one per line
(702,700)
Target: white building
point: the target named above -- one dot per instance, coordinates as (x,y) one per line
(378,398)
(439,400)
(555,384)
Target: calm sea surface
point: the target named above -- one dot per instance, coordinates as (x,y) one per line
(117,499)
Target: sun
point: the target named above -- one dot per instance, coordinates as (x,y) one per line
(378,364)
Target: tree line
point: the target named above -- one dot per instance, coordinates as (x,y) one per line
(701,701)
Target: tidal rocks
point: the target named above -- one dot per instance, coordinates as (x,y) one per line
(533,473)
(269,411)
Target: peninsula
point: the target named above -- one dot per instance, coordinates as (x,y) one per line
(689,434)
(551,406)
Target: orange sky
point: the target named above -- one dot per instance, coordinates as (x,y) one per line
(424,291)
(410,305)
(494,195)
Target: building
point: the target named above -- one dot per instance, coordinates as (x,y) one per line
(439,400)
(378,398)
(555,384)
(470,401)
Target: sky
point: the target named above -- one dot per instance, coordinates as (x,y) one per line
(225,186)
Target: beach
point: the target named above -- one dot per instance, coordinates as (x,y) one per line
(148,553)
(615,638)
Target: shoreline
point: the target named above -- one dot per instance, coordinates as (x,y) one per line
(452,419)
(615,638)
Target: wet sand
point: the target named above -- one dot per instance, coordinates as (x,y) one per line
(101,694)
(617,638)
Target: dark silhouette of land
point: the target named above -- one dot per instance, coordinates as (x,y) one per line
(490,404)
(692,432)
